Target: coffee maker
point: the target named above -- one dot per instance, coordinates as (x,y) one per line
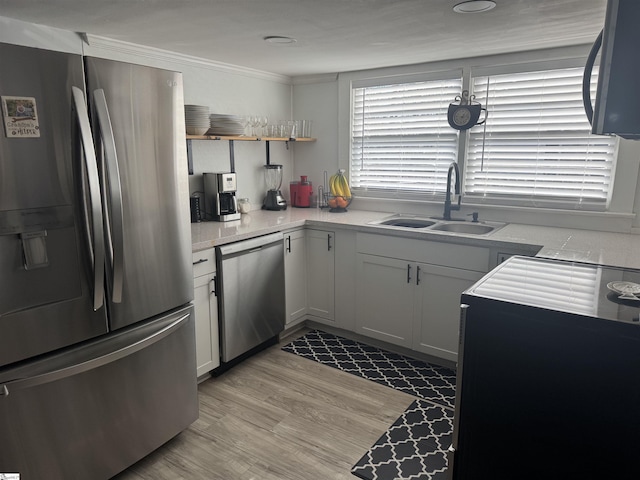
(220,196)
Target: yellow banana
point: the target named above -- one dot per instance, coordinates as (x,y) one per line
(346,191)
(335,186)
(339,186)
(332,185)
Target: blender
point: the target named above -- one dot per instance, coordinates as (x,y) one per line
(274,199)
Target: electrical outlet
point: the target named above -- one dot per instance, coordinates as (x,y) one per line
(503,256)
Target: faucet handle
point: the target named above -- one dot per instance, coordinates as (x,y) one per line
(475,217)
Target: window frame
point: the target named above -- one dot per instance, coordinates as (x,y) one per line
(625,178)
(532,201)
(442,75)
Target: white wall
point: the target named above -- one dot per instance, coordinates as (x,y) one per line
(317,102)
(38,36)
(327,99)
(224,88)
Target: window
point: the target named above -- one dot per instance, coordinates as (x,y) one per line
(535,148)
(401,143)
(536,145)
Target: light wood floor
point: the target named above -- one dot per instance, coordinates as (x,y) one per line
(277,416)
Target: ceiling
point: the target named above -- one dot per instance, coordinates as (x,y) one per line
(332,35)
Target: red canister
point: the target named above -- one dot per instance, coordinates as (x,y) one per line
(301,192)
(293,193)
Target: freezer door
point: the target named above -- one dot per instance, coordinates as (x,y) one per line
(146,196)
(48,260)
(92,411)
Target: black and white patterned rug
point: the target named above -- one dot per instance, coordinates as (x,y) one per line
(414,447)
(415,377)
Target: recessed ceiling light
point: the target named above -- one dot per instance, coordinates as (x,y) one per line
(474,6)
(279,40)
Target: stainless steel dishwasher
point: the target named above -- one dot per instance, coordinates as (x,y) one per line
(250,288)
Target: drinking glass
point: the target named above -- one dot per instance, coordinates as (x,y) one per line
(263,121)
(291,129)
(246,123)
(305,128)
(254,120)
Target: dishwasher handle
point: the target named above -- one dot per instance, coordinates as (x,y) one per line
(252,244)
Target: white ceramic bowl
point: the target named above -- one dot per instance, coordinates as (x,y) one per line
(197,130)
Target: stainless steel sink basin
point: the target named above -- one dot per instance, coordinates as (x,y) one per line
(415,222)
(408,222)
(470,228)
(400,220)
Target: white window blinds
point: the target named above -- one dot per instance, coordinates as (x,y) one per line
(401,143)
(536,145)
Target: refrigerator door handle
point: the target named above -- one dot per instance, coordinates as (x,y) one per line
(92,211)
(93,363)
(113,201)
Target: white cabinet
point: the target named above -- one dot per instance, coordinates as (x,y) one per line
(206,311)
(384,299)
(295,275)
(437,308)
(321,274)
(408,291)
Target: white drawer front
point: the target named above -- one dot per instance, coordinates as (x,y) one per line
(204,262)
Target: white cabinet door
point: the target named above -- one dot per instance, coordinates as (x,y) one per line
(206,311)
(437,308)
(321,274)
(295,275)
(384,298)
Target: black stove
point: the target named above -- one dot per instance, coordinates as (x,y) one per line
(548,368)
(591,290)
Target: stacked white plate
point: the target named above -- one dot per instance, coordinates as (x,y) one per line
(196,118)
(225,125)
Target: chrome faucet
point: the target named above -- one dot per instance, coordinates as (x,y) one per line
(447,199)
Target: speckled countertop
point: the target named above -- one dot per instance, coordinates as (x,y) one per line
(617,249)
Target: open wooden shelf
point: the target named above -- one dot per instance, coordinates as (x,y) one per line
(242,138)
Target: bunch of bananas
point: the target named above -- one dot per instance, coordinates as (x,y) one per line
(340,192)
(339,186)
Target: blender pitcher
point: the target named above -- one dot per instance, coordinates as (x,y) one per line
(274,199)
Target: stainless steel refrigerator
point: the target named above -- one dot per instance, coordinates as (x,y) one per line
(97,347)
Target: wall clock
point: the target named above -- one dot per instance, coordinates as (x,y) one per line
(465,114)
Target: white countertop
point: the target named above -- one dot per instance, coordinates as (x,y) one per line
(617,249)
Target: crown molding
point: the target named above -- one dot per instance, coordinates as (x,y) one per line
(312,79)
(152,53)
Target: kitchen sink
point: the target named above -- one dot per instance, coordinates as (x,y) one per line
(408,222)
(471,228)
(415,222)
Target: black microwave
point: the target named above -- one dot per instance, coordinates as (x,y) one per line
(616,108)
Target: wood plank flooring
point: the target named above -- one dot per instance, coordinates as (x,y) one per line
(277,416)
